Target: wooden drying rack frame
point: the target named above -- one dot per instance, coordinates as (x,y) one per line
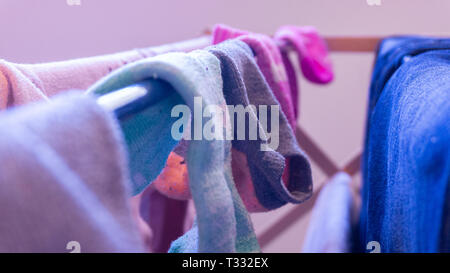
(342,44)
(349,44)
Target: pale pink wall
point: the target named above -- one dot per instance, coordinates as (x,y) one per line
(44,30)
(50,30)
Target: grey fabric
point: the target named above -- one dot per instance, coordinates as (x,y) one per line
(63,178)
(244,84)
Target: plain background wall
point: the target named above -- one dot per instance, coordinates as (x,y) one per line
(334,115)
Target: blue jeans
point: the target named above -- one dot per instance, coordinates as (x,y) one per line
(406,162)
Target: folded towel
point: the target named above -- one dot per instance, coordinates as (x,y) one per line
(52,191)
(244,85)
(329,230)
(222,223)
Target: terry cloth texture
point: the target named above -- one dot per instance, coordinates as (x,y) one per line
(406,162)
(63,178)
(222,223)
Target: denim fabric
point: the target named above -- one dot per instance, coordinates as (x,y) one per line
(406,163)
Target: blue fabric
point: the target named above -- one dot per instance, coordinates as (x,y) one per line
(406,162)
(392,53)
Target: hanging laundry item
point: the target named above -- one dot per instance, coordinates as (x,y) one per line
(168,219)
(272,66)
(311,51)
(63,178)
(173,180)
(24,83)
(310,48)
(145,230)
(269,60)
(244,85)
(222,223)
(406,164)
(330,227)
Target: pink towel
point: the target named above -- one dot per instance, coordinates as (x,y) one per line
(24,83)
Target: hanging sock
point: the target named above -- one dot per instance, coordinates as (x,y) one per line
(222,223)
(313,57)
(272,64)
(172,181)
(269,60)
(270,192)
(311,50)
(258,174)
(167,219)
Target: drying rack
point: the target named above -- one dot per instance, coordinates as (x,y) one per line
(116,100)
